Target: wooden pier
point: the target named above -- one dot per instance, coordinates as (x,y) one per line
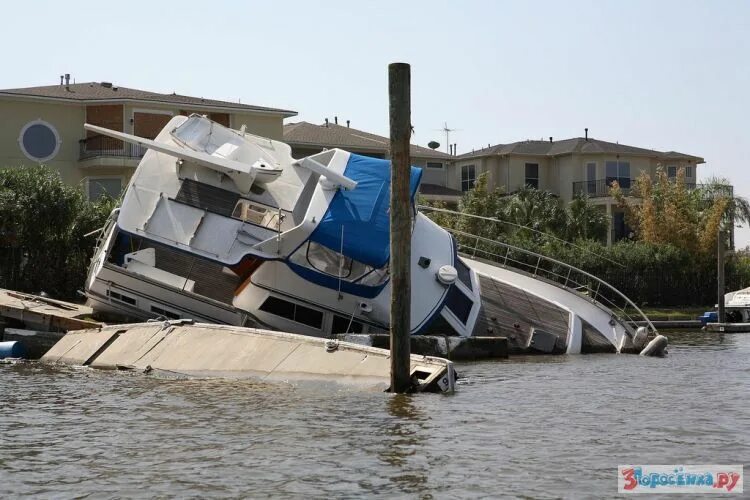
(41,313)
(728,327)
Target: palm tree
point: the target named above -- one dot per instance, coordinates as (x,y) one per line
(585,220)
(737,210)
(538,210)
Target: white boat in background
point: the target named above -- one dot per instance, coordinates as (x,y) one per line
(737,306)
(222,226)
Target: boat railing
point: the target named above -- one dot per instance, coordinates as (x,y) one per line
(103,232)
(554,271)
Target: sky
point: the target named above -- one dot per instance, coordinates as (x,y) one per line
(667,75)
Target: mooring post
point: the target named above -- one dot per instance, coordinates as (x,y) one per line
(399,93)
(720,275)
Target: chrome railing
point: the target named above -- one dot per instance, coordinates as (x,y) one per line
(554,271)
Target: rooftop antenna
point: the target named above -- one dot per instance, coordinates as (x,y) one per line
(447,134)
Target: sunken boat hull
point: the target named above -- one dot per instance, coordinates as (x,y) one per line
(223,227)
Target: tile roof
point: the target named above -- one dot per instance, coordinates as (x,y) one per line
(339,136)
(100,92)
(569,146)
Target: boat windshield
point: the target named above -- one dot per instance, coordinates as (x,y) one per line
(315,256)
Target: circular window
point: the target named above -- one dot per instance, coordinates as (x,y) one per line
(39,141)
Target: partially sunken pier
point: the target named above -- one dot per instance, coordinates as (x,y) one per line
(728,327)
(41,313)
(181,348)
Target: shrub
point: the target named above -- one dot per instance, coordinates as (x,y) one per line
(42,226)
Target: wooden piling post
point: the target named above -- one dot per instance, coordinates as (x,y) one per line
(399,94)
(720,276)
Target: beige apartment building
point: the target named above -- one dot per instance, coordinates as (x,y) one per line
(567,167)
(308,138)
(45,125)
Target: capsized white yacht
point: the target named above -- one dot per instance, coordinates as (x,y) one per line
(222,226)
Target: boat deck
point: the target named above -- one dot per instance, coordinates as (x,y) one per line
(510,312)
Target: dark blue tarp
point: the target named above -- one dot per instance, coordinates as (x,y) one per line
(363,212)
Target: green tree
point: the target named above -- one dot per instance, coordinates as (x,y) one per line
(585,221)
(42,226)
(537,210)
(665,211)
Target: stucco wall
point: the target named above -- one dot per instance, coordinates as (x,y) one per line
(66,119)
(263,125)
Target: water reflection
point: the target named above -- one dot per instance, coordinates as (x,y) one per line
(404,444)
(701,340)
(524,427)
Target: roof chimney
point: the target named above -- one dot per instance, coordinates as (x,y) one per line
(587,133)
(454,149)
(347,123)
(61,79)
(67,81)
(550,139)
(108,85)
(336,120)
(326,122)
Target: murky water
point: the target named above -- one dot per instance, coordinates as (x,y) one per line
(533,427)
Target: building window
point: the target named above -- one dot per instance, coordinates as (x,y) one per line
(689,172)
(672,171)
(104,186)
(591,178)
(39,141)
(434,164)
(532,175)
(468,177)
(292,311)
(618,171)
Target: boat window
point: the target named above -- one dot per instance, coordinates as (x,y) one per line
(374,277)
(293,311)
(121,297)
(459,304)
(256,214)
(164,312)
(440,326)
(337,265)
(342,325)
(464,275)
(327,261)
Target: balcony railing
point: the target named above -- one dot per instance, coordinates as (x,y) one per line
(601,187)
(99,146)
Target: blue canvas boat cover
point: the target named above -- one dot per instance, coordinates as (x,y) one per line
(363,212)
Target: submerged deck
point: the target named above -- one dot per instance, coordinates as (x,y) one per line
(202,350)
(41,313)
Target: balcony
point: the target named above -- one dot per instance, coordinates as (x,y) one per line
(599,188)
(100,146)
